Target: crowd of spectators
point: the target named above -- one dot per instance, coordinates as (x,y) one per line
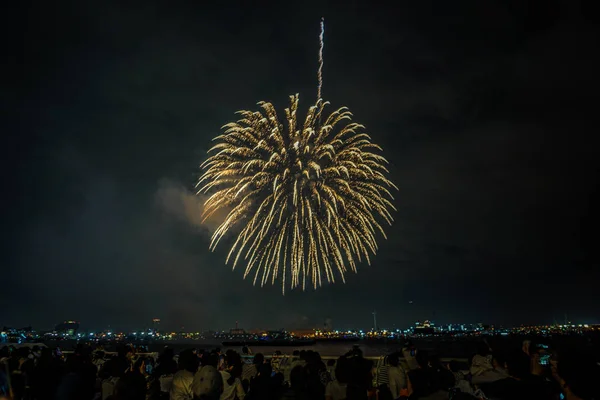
(530,372)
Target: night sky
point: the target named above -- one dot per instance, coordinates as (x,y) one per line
(486,110)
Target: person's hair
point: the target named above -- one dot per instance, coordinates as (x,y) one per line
(342,370)
(518,364)
(46,352)
(296,353)
(312,357)
(233,359)
(422,358)
(265,371)
(188,361)
(122,351)
(483,349)
(298,378)
(23,352)
(138,363)
(234,373)
(210,359)
(258,359)
(435,361)
(393,359)
(317,357)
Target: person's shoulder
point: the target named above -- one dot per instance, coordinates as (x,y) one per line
(207,369)
(183,374)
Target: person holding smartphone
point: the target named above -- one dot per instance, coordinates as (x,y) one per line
(576,375)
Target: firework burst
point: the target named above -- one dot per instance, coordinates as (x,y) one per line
(306,200)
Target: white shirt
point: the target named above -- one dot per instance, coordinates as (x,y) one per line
(230,391)
(207,381)
(397,381)
(181,388)
(336,390)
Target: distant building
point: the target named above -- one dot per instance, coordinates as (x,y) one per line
(425,328)
(155,324)
(68,328)
(237,330)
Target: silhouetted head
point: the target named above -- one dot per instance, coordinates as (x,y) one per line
(483,349)
(45,354)
(259,359)
(298,378)
(393,359)
(188,361)
(140,365)
(210,359)
(422,358)
(518,364)
(233,359)
(343,370)
(265,370)
(124,351)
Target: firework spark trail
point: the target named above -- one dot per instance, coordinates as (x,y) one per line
(305,198)
(320,72)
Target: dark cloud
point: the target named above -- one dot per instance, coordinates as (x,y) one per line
(484,109)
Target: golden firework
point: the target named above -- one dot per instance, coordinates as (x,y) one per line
(305,199)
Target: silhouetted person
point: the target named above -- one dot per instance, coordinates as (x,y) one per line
(132,385)
(46,375)
(396,377)
(518,384)
(181,388)
(166,365)
(117,366)
(360,380)
(79,381)
(337,389)
(208,383)
(297,390)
